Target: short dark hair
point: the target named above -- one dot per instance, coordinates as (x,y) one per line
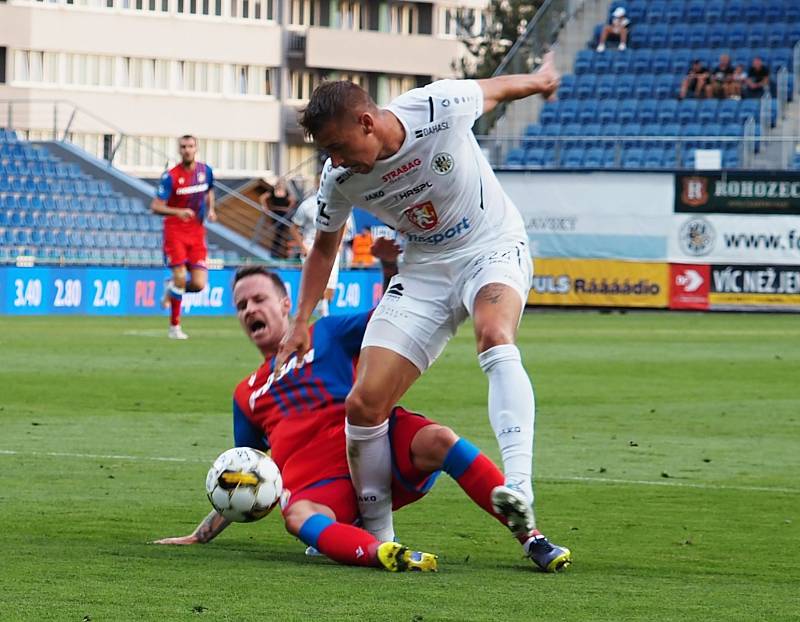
(331,101)
(246,271)
(188,137)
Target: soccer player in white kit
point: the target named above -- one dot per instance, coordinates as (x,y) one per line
(417,166)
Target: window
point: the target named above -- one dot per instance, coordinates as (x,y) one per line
(34,66)
(2,65)
(403,19)
(301,13)
(352,15)
(302,84)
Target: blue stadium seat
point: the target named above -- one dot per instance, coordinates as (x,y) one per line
(678,37)
(644,87)
(633,131)
(607,111)
(675,12)
(568,111)
(687,111)
(757,35)
(776,35)
(566,89)
(602,62)
(573,131)
(681,60)
(585,86)
(640,36)
(547,116)
(587,112)
(695,11)
(583,62)
(515,157)
(653,158)
(666,111)
(646,112)
(707,110)
(605,86)
(572,158)
(737,36)
(658,36)
(633,158)
(534,157)
(627,111)
(4,218)
(593,158)
(641,61)
(592,129)
(697,35)
(734,11)
(657,12)
(624,88)
(620,63)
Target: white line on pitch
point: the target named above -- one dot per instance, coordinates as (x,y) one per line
(62,454)
(645,482)
(576,478)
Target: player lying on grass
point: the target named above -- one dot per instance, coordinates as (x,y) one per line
(299,413)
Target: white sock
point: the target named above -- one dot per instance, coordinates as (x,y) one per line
(370,458)
(511,413)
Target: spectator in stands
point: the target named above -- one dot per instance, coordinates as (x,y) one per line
(615,30)
(279,201)
(721,79)
(738,82)
(757,81)
(695,80)
(362,249)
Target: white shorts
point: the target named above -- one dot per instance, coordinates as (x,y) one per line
(425,303)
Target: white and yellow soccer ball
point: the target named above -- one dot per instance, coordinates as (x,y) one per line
(244,484)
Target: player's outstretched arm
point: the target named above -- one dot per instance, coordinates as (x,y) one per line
(518,86)
(206,531)
(316,272)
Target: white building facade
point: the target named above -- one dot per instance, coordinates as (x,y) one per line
(232,72)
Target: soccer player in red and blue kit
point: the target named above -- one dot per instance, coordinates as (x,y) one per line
(298,411)
(185,196)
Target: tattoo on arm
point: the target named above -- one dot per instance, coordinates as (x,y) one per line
(492,293)
(211,527)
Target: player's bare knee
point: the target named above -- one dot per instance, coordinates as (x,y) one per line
(491,335)
(197,283)
(430,446)
(364,409)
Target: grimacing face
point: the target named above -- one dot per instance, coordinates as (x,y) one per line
(187,148)
(351,143)
(263,311)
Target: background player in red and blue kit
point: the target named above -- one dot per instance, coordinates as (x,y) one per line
(299,412)
(185,196)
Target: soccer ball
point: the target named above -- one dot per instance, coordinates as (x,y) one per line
(244,484)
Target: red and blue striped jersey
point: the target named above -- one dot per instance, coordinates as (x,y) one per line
(181,188)
(299,413)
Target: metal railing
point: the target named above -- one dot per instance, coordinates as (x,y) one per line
(623,152)
(526,53)
(65,121)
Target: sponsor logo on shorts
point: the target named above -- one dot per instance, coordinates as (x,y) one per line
(395,290)
(433,128)
(697,237)
(423,216)
(409,167)
(442,163)
(438,238)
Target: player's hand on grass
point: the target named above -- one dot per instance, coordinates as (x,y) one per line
(385,249)
(185,214)
(297,341)
(181,540)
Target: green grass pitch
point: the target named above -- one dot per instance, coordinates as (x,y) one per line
(666,458)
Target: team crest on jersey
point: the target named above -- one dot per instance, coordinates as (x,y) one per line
(201,177)
(423,216)
(181,180)
(442,163)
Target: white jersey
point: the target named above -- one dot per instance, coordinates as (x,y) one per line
(304,217)
(438,189)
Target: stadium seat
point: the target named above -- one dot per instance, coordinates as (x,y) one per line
(566,90)
(633,158)
(624,88)
(515,157)
(568,112)
(628,111)
(572,158)
(605,86)
(707,110)
(644,86)
(667,111)
(585,86)
(607,111)
(641,61)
